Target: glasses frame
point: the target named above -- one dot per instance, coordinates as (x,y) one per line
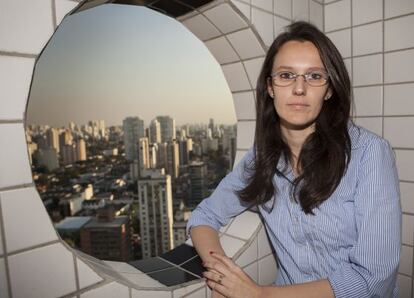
(295,76)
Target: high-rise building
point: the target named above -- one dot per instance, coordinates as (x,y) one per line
(144,158)
(162,161)
(173,159)
(184,152)
(153,152)
(52,139)
(65,138)
(80,150)
(198,181)
(133,130)
(69,154)
(155,131)
(155,212)
(46,157)
(167,125)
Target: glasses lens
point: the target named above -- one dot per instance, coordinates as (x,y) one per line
(284,78)
(316,78)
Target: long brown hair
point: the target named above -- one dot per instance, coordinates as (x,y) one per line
(325,154)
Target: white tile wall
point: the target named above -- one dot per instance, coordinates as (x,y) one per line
(408,229)
(189,289)
(342,40)
(24,208)
(367,70)
(280,25)
(397,35)
(283,8)
(367,39)
(368,101)
(134,275)
(397,131)
(253,67)
(225,18)
(405,164)
(31,22)
(399,66)
(348,65)
(151,294)
(201,27)
(407,196)
(15,169)
(406,266)
(236,77)
(398,7)
(263,22)
(316,14)
(398,99)
(221,49)
(248,255)
(43,272)
(338,15)
(366,11)
(201,293)
(15,75)
(245,134)
(267,270)
(87,276)
(3,280)
(244,225)
(231,245)
(251,271)
(264,245)
(243,7)
(110,290)
(405,284)
(245,105)
(246,44)
(373,124)
(264,4)
(300,10)
(62,8)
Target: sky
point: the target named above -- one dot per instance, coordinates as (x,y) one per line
(115,61)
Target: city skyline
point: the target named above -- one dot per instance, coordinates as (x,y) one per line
(133,75)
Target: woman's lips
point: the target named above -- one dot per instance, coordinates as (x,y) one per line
(298,105)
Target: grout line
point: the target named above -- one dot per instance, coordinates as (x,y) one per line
(5,256)
(17,54)
(408,213)
(385,84)
(17,187)
(383,68)
(45,244)
(241,60)
(12,121)
(54,16)
(406,181)
(75,264)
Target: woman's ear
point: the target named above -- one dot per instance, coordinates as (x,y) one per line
(328,93)
(270,88)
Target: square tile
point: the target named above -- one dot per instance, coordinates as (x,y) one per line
(253,68)
(87,276)
(367,70)
(4,289)
(406,263)
(23,208)
(263,22)
(236,77)
(197,290)
(252,271)
(316,14)
(231,245)
(267,270)
(221,49)
(180,254)
(373,124)
(263,4)
(337,15)
(15,75)
(225,18)
(368,101)
(280,25)
(245,134)
(398,99)
(142,280)
(405,164)
(394,33)
(264,245)
(150,265)
(195,266)
(407,229)
(110,290)
(407,197)
(367,39)
(300,10)
(342,40)
(246,44)
(348,65)
(366,11)
(283,8)
(249,255)
(396,130)
(172,276)
(243,7)
(31,272)
(14,160)
(395,8)
(31,22)
(151,294)
(405,285)
(244,105)
(201,27)
(244,225)
(399,66)
(62,8)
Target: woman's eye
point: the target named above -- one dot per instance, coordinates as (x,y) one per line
(315,76)
(286,75)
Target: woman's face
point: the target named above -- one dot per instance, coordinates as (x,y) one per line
(299,104)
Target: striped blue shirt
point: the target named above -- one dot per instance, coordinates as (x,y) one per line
(354,238)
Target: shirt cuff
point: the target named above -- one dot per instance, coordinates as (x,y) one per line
(198,221)
(347,282)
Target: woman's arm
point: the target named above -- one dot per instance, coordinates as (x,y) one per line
(206,240)
(315,289)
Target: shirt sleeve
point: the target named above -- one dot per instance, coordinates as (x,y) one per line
(373,261)
(223,204)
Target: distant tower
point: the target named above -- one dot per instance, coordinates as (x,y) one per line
(144,158)
(52,139)
(155,132)
(198,180)
(167,125)
(81,150)
(173,159)
(133,130)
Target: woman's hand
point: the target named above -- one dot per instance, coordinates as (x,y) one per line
(228,279)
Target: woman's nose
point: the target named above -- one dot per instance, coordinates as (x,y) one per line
(299,86)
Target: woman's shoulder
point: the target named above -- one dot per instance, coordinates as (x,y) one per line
(362,138)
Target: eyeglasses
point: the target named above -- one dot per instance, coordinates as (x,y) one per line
(286,78)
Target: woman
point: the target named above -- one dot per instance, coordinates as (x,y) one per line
(326,189)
